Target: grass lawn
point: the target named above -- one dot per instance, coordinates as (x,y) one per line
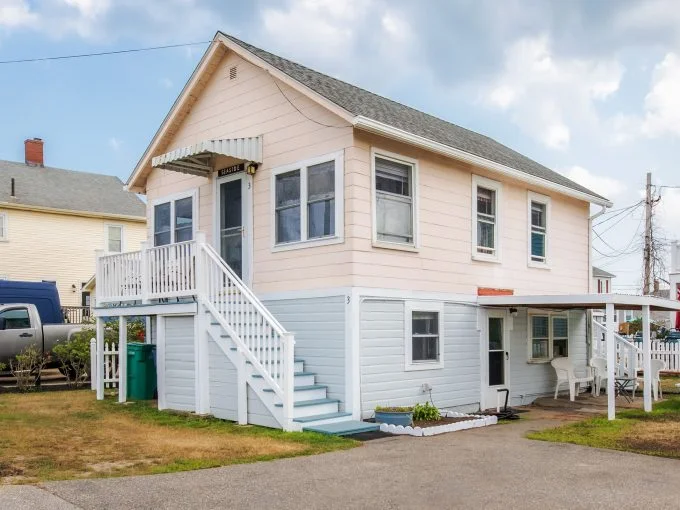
(655,433)
(61,435)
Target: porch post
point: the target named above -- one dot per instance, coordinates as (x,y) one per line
(611,362)
(647,357)
(122,359)
(100,359)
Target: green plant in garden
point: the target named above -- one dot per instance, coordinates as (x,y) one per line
(74,357)
(426,412)
(27,366)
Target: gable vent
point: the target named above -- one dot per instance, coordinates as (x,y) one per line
(233,71)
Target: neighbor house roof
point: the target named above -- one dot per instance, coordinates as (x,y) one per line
(601,273)
(67,190)
(363,103)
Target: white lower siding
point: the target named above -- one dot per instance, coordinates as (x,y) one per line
(180,388)
(384,380)
(223,378)
(530,380)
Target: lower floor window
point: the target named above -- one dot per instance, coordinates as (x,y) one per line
(424,337)
(549,336)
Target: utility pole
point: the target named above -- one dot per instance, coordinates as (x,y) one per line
(647,275)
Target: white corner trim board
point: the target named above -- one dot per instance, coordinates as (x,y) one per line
(475,421)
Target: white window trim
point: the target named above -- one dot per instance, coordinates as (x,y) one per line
(414,246)
(530,326)
(4,219)
(193,193)
(478,180)
(339,237)
(106,236)
(419,306)
(541,199)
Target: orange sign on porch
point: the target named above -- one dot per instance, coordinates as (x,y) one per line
(488,291)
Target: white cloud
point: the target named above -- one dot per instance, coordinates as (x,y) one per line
(115,143)
(662,103)
(546,94)
(605,186)
(16,13)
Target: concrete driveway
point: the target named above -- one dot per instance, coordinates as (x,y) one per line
(483,468)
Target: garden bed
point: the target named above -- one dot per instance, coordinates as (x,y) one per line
(450,421)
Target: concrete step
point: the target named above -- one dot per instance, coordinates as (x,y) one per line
(342,428)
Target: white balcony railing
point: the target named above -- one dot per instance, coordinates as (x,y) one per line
(152,273)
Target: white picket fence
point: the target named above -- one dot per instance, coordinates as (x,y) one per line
(110,364)
(668,352)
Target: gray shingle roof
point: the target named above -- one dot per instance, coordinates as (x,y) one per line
(601,273)
(67,189)
(361,102)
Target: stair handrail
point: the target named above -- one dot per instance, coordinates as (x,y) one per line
(284,388)
(625,346)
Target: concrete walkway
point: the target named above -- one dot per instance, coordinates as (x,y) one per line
(482,468)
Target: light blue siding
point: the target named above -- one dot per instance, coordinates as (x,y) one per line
(319,328)
(384,380)
(180,391)
(223,379)
(530,380)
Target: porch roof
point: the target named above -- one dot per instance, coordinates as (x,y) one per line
(197,159)
(597,301)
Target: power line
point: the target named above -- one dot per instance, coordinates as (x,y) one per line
(619,212)
(629,213)
(115,52)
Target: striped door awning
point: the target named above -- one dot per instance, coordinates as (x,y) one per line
(197,159)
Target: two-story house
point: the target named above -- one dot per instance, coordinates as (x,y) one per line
(53,220)
(315,250)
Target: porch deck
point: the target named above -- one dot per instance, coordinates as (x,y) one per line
(587,403)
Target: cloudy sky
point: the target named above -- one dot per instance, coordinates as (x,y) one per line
(588,88)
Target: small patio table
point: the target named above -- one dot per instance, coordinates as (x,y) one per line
(624,387)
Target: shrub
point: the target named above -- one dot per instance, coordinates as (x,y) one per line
(74,357)
(27,366)
(426,412)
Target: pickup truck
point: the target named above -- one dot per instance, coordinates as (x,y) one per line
(20,326)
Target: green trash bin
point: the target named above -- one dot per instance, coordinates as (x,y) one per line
(141,371)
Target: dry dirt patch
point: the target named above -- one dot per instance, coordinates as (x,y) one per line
(59,435)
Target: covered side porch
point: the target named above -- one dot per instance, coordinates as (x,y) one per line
(621,360)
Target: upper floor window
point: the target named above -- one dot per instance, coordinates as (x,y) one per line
(114,238)
(486,220)
(3,226)
(308,203)
(549,336)
(173,220)
(539,214)
(395,199)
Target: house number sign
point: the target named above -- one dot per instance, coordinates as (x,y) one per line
(233,169)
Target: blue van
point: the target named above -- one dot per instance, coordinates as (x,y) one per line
(43,295)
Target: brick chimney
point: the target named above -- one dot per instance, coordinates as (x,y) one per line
(34,152)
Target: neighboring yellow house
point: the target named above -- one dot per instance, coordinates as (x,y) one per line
(52,221)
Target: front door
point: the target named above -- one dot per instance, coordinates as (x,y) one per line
(231,222)
(496,359)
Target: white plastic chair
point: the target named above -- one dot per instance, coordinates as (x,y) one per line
(565,374)
(657,366)
(599,366)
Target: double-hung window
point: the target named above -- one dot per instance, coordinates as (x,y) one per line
(308,203)
(424,335)
(114,238)
(539,217)
(549,336)
(395,213)
(486,197)
(3,226)
(173,220)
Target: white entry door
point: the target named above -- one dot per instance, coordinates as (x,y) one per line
(496,356)
(233,232)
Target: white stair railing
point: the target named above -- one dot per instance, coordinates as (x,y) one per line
(627,353)
(255,331)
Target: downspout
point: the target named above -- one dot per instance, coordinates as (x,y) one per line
(589,313)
